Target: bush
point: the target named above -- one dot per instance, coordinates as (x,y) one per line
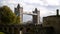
(2,33)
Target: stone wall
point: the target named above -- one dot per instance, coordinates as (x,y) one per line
(53,21)
(26,29)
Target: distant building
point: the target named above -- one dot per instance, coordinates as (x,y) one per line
(19,12)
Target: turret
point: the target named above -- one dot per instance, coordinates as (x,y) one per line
(57,12)
(18,6)
(35,10)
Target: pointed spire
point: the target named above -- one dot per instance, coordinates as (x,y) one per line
(18,6)
(35,9)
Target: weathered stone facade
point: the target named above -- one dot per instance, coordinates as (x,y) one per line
(53,21)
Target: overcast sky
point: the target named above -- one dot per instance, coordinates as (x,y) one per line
(46,7)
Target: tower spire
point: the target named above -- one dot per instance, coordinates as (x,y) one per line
(35,9)
(18,6)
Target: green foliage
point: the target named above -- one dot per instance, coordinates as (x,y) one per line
(2,33)
(7,16)
(17,20)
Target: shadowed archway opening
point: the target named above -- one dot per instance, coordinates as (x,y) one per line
(3,32)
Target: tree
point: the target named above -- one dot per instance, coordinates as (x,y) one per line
(7,16)
(17,20)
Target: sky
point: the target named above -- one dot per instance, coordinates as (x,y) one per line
(46,7)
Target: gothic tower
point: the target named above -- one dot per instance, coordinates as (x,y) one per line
(19,12)
(36,18)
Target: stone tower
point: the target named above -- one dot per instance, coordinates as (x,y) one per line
(36,18)
(19,12)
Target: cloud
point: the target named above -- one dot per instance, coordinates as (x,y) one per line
(52,2)
(34,2)
(46,7)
